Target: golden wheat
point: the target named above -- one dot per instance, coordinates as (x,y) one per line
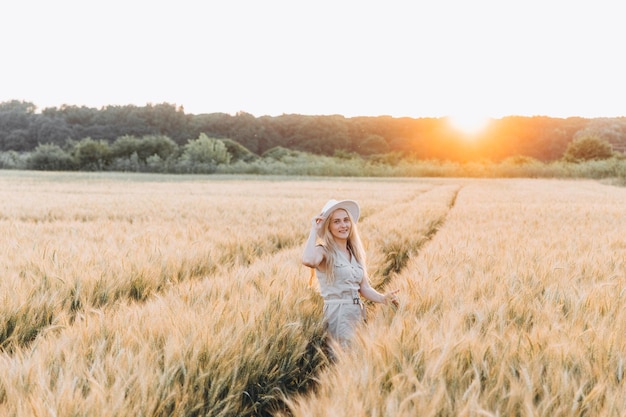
(165,295)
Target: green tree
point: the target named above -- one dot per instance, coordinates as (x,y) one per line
(92,155)
(16,140)
(213,124)
(44,129)
(321,134)
(50,157)
(373,144)
(12,160)
(124,146)
(166,119)
(588,147)
(238,152)
(159,145)
(15,120)
(144,147)
(18,106)
(278,153)
(245,130)
(204,151)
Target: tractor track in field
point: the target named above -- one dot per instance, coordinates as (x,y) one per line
(397,258)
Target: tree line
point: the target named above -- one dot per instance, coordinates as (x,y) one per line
(164,130)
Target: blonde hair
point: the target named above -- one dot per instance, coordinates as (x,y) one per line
(354,245)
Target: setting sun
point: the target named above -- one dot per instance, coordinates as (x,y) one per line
(469,124)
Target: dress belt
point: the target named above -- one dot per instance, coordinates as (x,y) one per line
(356,300)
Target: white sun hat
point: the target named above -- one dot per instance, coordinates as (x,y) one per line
(350,206)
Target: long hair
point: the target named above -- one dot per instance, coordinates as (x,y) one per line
(332,252)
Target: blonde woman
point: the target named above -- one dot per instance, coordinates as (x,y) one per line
(335,250)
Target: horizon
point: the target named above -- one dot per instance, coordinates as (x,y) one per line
(39,109)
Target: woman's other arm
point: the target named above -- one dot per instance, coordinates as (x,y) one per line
(371,294)
(313,254)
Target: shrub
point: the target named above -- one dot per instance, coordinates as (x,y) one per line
(50,157)
(278,153)
(344,154)
(587,148)
(13,160)
(124,147)
(520,160)
(203,155)
(154,163)
(159,145)
(238,152)
(144,148)
(389,158)
(92,155)
(126,164)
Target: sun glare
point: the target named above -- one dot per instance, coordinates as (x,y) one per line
(469,124)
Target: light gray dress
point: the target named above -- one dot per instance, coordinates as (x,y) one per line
(343,310)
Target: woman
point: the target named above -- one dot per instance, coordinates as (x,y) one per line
(335,250)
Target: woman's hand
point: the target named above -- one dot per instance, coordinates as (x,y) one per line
(317,223)
(371,294)
(391,298)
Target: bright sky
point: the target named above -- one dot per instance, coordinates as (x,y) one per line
(420,58)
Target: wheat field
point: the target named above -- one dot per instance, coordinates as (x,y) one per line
(150,295)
